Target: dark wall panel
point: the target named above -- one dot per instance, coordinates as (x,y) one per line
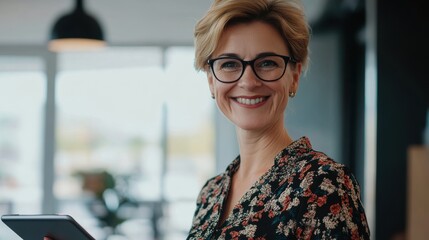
(402,53)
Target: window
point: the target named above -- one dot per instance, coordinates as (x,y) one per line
(22,91)
(134,140)
(190,155)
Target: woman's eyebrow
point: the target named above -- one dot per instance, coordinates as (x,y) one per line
(234,55)
(263,54)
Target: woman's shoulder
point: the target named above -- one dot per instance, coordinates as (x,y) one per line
(212,187)
(325,167)
(215,181)
(328,195)
(304,157)
(316,167)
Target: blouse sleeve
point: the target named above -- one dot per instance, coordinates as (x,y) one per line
(330,205)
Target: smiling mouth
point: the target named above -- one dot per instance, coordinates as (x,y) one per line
(250,101)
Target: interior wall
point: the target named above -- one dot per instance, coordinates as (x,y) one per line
(403,88)
(226,144)
(316,111)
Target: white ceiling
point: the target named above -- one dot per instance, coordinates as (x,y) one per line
(124,22)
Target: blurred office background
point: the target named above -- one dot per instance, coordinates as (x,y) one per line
(122,138)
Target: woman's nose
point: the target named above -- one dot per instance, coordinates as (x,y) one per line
(249,79)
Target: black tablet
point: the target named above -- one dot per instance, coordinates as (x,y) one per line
(35,227)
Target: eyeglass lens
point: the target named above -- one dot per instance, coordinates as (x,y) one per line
(267,68)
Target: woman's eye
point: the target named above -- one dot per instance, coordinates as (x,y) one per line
(267,64)
(230,65)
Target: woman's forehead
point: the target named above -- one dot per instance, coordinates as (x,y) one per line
(250,39)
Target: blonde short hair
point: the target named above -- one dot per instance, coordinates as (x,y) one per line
(287,16)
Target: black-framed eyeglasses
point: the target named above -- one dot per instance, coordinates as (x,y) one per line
(268,68)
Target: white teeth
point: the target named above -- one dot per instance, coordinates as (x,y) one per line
(248,101)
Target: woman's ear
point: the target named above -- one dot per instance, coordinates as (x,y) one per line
(210,79)
(296,75)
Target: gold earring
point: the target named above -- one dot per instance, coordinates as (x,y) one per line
(291,94)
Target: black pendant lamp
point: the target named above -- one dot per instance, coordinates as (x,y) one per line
(76,30)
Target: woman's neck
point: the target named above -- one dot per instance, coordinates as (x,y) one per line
(258,149)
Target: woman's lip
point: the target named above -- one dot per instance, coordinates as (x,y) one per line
(251,101)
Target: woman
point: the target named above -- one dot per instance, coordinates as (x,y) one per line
(253,53)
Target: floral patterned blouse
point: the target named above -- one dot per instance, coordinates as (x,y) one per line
(305,195)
